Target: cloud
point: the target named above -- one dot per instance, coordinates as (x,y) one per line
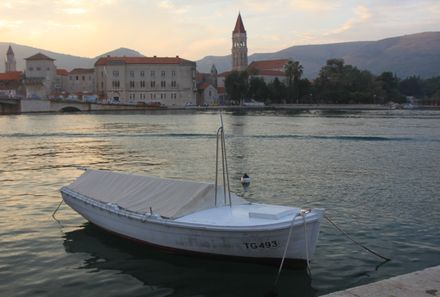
(173,7)
(361,15)
(314,5)
(74,10)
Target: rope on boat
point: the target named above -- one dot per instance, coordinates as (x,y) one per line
(305,239)
(356,242)
(285,249)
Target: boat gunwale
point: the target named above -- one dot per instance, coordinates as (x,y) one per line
(311,217)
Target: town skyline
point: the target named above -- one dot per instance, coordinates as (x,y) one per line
(90,29)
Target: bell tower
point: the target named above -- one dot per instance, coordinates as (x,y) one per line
(10,63)
(239,46)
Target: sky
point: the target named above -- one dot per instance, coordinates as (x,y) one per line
(196,28)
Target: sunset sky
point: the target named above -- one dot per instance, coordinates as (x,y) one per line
(196,28)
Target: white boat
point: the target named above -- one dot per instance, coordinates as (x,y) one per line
(194,217)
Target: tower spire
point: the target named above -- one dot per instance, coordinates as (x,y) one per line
(239,46)
(10,63)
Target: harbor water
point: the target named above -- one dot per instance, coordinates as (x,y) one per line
(377,174)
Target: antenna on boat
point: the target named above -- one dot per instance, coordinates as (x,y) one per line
(224,164)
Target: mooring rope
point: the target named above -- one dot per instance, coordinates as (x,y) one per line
(285,249)
(356,242)
(54,212)
(305,239)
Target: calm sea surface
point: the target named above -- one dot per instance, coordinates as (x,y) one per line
(377,174)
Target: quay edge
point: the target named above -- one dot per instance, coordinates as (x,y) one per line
(423,283)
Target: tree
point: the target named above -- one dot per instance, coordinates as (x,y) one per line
(294,71)
(389,84)
(258,89)
(277,91)
(236,85)
(340,83)
(411,86)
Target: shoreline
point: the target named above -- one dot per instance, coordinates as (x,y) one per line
(48,106)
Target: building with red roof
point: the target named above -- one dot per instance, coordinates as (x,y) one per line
(11,84)
(170,81)
(268,69)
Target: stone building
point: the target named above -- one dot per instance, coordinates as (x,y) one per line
(60,82)
(207,94)
(170,81)
(81,80)
(40,76)
(239,46)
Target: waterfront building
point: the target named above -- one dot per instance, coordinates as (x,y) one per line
(269,70)
(40,76)
(81,80)
(170,81)
(10,63)
(239,46)
(11,84)
(207,94)
(60,82)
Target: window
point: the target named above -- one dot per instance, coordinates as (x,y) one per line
(132,96)
(173,84)
(115,73)
(142,83)
(77,77)
(70,77)
(163,96)
(142,73)
(152,96)
(83,77)
(38,68)
(153,84)
(131,73)
(152,73)
(132,84)
(162,73)
(102,85)
(31,68)
(47,69)
(142,95)
(163,84)
(173,96)
(173,73)
(115,84)
(102,74)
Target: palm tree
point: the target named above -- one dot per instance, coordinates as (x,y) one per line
(294,71)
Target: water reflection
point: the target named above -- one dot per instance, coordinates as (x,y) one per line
(167,274)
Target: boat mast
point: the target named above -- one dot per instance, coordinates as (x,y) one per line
(225,173)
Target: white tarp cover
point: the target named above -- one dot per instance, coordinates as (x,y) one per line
(167,197)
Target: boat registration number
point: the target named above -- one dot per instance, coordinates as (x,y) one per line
(261,245)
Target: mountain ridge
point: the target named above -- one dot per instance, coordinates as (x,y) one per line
(412,54)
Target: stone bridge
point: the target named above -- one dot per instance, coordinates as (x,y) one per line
(12,106)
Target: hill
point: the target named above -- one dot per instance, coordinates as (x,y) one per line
(415,54)
(61,60)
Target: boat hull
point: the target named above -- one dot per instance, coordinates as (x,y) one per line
(262,244)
